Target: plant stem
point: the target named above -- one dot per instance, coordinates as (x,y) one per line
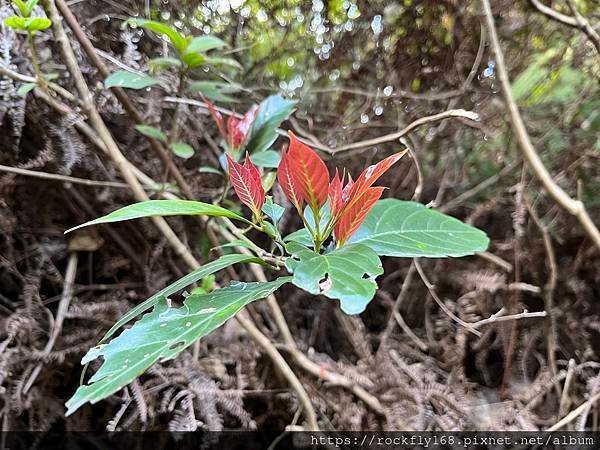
(174,126)
(34,62)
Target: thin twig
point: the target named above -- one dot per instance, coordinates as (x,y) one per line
(574,414)
(461,113)
(282,365)
(578,21)
(500,317)
(69,179)
(549,289)
(61,312)
(574,207)
(431,288)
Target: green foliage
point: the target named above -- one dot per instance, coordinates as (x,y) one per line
(409,230)
(152,132)
(201,44)
(125,79)
(163,334)
(29,24)
(182,283)
(271,113)
(152,208)
(269,159)
(214,90)
(25,8)
(179,42)
(182,150)
(273,210)
(25,88)
(347,274)
(157,65)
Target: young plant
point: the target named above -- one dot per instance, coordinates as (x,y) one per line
(31,25)
(347,228)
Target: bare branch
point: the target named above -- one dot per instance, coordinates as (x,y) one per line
(574,207)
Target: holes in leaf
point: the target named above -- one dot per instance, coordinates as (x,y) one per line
(325,284)
(177,345)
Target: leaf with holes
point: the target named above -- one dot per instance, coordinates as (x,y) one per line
(152,208)
(192,277)
(408,229)
(125,79)
(162,335)
(347,274)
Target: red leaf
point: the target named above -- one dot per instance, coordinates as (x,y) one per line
(287,183)
(255,181)
(238,129)
(309,172)
(335,194)
(354,215)
(371,174)
(347,189)
(218,118)
(247,184)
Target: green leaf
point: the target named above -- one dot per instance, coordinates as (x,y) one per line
(182,150)
(23,8)
(204,44)
(159,64)
(29,24)
(269,159)
(301,236)
(408,229)
(347,274)
(193,60)
(272,111)
(31,4)
(182,283)
(152,208)
(125,79)
(25,88)
(152,132)
(215,90)
(178,41)
(218,61)
(163,334)
(208,169)
(273,210)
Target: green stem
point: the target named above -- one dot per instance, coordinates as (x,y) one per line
(34,62)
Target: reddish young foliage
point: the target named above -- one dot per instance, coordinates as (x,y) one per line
(371,174)
(247,184)
(217,117)
(355,213)
(347,188)
(335,194)
(287,183)
(309,173)
(238,129)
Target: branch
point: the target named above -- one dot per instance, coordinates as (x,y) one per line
(123,165)
(578,21)
(574,207)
